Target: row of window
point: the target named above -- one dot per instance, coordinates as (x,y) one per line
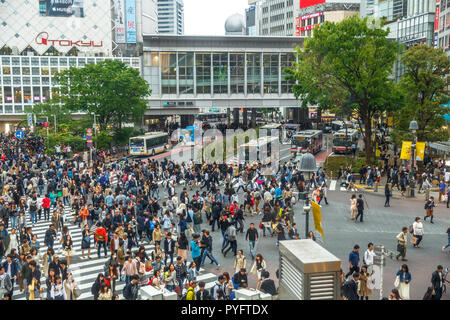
(277,17)
(60,61)
(24,95)
(212,72)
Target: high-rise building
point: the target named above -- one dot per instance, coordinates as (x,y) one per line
(442,24)
(252,14)
(171,17)
(277,17)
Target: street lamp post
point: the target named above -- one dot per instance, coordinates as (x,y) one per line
(307,164)
(413,126)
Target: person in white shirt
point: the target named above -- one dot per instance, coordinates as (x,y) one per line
(368,258)
(418,231)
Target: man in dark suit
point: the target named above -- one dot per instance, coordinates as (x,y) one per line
(360,208)
(267,285)
(437,281)
(351,287)
(169,248)
(293,233)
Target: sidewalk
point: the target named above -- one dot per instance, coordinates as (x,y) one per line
(396,194)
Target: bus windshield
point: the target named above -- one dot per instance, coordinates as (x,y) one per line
(341,142)
(301,143)
(137,143)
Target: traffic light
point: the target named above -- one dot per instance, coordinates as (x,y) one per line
(45,124)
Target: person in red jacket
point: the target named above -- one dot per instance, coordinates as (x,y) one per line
(101,238)
(46,206)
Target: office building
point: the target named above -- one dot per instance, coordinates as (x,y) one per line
(442,25)
(277,17)
(192,73)
(314,13)
(171,17)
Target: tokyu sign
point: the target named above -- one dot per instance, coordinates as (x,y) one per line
(43,38)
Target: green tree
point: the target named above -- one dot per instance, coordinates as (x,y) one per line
(424,84)
(347,64)
(111,90)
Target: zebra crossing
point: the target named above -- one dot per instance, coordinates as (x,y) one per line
(85,271)
(334,186)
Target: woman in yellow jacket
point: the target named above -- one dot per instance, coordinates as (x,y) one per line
(191,291)
(157,235)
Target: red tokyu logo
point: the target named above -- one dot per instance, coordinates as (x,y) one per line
(43,38)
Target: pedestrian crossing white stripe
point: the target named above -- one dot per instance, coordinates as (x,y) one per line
(333,185)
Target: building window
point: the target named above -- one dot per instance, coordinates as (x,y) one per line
(168,72)
(7,95)
(203,66)
(286,62)
(237,65)
(220,72)
(270,72)
(17,95)
(253,73)
(186,72)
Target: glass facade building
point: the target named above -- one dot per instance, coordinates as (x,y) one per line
(25,81)
(221,73)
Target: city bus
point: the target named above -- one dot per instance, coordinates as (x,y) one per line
(212,117)
(273,126)
(307,141)
(254,147)
(339,124)
(343,143)
(149,144)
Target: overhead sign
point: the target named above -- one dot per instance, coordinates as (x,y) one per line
(61,8)
(119,20)
(43,39)
(131,20)
(309,3)
(19,134)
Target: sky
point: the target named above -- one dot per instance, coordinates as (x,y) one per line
(207,17)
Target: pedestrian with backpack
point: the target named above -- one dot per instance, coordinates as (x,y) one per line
(231,237)
(101,238)
(218,291)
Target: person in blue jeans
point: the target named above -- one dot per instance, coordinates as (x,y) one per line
(208,250)
(252,237)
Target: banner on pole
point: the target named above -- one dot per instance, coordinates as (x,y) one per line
(420,147)
(317,214)
(406,150)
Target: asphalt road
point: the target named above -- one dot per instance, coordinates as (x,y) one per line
(380,226)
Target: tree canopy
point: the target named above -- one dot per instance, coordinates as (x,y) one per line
(423,85)
(348,64)
(109,89)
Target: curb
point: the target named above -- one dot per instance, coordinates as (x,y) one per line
(377,194)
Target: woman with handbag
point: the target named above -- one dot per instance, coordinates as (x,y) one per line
(402,282)
(71,287)
(86,242)
(364,278)
(68,249)
(258,266)
(111,275)
(417,232)
(170,277)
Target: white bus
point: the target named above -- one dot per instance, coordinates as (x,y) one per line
(149,144)
(343,143)
(251,150)
(307,141)
(273,126)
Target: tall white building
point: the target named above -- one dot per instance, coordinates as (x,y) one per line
(171,17)
(277,17)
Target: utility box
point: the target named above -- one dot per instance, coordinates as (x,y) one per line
(308,271)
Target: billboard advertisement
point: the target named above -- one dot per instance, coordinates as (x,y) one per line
(119,20)
(61,8)
(309,3)
(131,20)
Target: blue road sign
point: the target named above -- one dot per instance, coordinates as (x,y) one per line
(19,134)
(89,138)
(89,144)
